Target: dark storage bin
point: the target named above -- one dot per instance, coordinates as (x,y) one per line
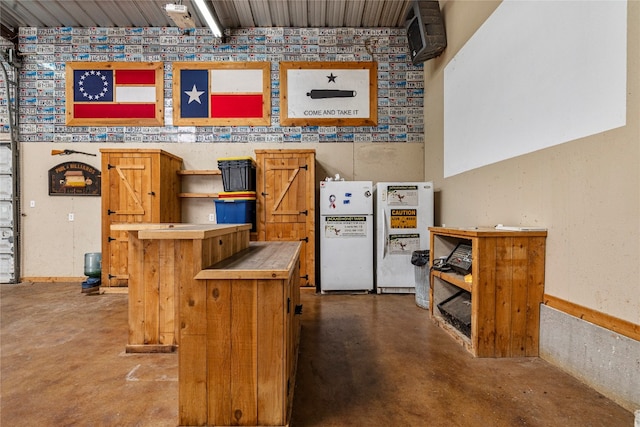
(236,208)
(457,311)
(238,173)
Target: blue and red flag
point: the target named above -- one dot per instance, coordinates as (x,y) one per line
(221,93)
(114,94)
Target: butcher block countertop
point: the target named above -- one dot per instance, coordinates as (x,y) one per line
(179,230)
(261,260)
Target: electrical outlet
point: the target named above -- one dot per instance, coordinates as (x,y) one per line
(71,217)
(32,204)
(212,217)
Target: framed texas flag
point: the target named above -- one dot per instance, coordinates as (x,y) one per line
(114,93)
(221,93)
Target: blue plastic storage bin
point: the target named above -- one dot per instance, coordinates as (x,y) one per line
(236,208)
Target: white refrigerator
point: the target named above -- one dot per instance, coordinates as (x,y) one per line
(404,213)
(346,236)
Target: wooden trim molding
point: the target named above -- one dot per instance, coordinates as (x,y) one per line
(620,326)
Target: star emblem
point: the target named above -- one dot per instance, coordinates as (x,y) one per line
(194,95)
(96,86)
(332,78)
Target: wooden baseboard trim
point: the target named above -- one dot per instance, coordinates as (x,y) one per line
(620,326)
(52,279)
(151,348)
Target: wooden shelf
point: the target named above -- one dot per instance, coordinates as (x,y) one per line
(453,278)
(198,195)
(199,172)
(194,172)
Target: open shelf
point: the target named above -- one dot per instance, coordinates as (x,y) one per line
(506,289)
(199,172)
(194,172)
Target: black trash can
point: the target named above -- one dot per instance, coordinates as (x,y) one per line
(420,259)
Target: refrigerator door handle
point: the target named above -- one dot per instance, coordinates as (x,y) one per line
(385,235)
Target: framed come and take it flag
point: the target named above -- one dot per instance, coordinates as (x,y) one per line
(221,93)
(328,93)
(114,93)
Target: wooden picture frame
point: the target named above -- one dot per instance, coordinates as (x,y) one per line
(328,93)
(114,94)
(221,93)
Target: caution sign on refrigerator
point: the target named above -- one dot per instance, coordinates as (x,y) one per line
(404,218)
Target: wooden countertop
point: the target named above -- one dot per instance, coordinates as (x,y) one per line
(261,260)
(180,230)
(486,231)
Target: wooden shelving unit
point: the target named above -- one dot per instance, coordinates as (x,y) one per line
(193,172)
(506,287)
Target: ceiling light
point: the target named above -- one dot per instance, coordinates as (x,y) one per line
(205,12)
(180,15)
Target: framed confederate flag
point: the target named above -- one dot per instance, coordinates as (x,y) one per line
(114,93)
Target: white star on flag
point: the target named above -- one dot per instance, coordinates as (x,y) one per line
(194,95)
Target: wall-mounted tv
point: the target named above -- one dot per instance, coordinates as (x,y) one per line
(425,31)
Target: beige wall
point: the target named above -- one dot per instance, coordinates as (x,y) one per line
(586,192)
(53,247)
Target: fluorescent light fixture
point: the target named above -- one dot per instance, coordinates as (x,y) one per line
(180,15)
(205,12)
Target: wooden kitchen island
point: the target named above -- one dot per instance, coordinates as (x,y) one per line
(162,259)
(239,334)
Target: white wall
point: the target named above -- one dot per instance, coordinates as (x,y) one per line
(586,192)
(53,248)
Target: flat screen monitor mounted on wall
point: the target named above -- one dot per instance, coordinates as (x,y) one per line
(425,31)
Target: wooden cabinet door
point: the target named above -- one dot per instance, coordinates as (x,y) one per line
(287,204)
(129,199)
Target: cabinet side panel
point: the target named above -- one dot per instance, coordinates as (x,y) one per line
(243,352)
(167,293)
(483,302)
(219,344)
(105,192)
(519,278)
(192,299)
(169,202)
(504,276)
(535,293)
(192,381)
(293,334)
(151,283)
(136,290)
(271,315)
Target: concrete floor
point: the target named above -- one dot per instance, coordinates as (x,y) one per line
(365,360)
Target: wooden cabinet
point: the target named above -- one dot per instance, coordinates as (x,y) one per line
(138,186)
(239,339)
(285,187)
(506,287)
